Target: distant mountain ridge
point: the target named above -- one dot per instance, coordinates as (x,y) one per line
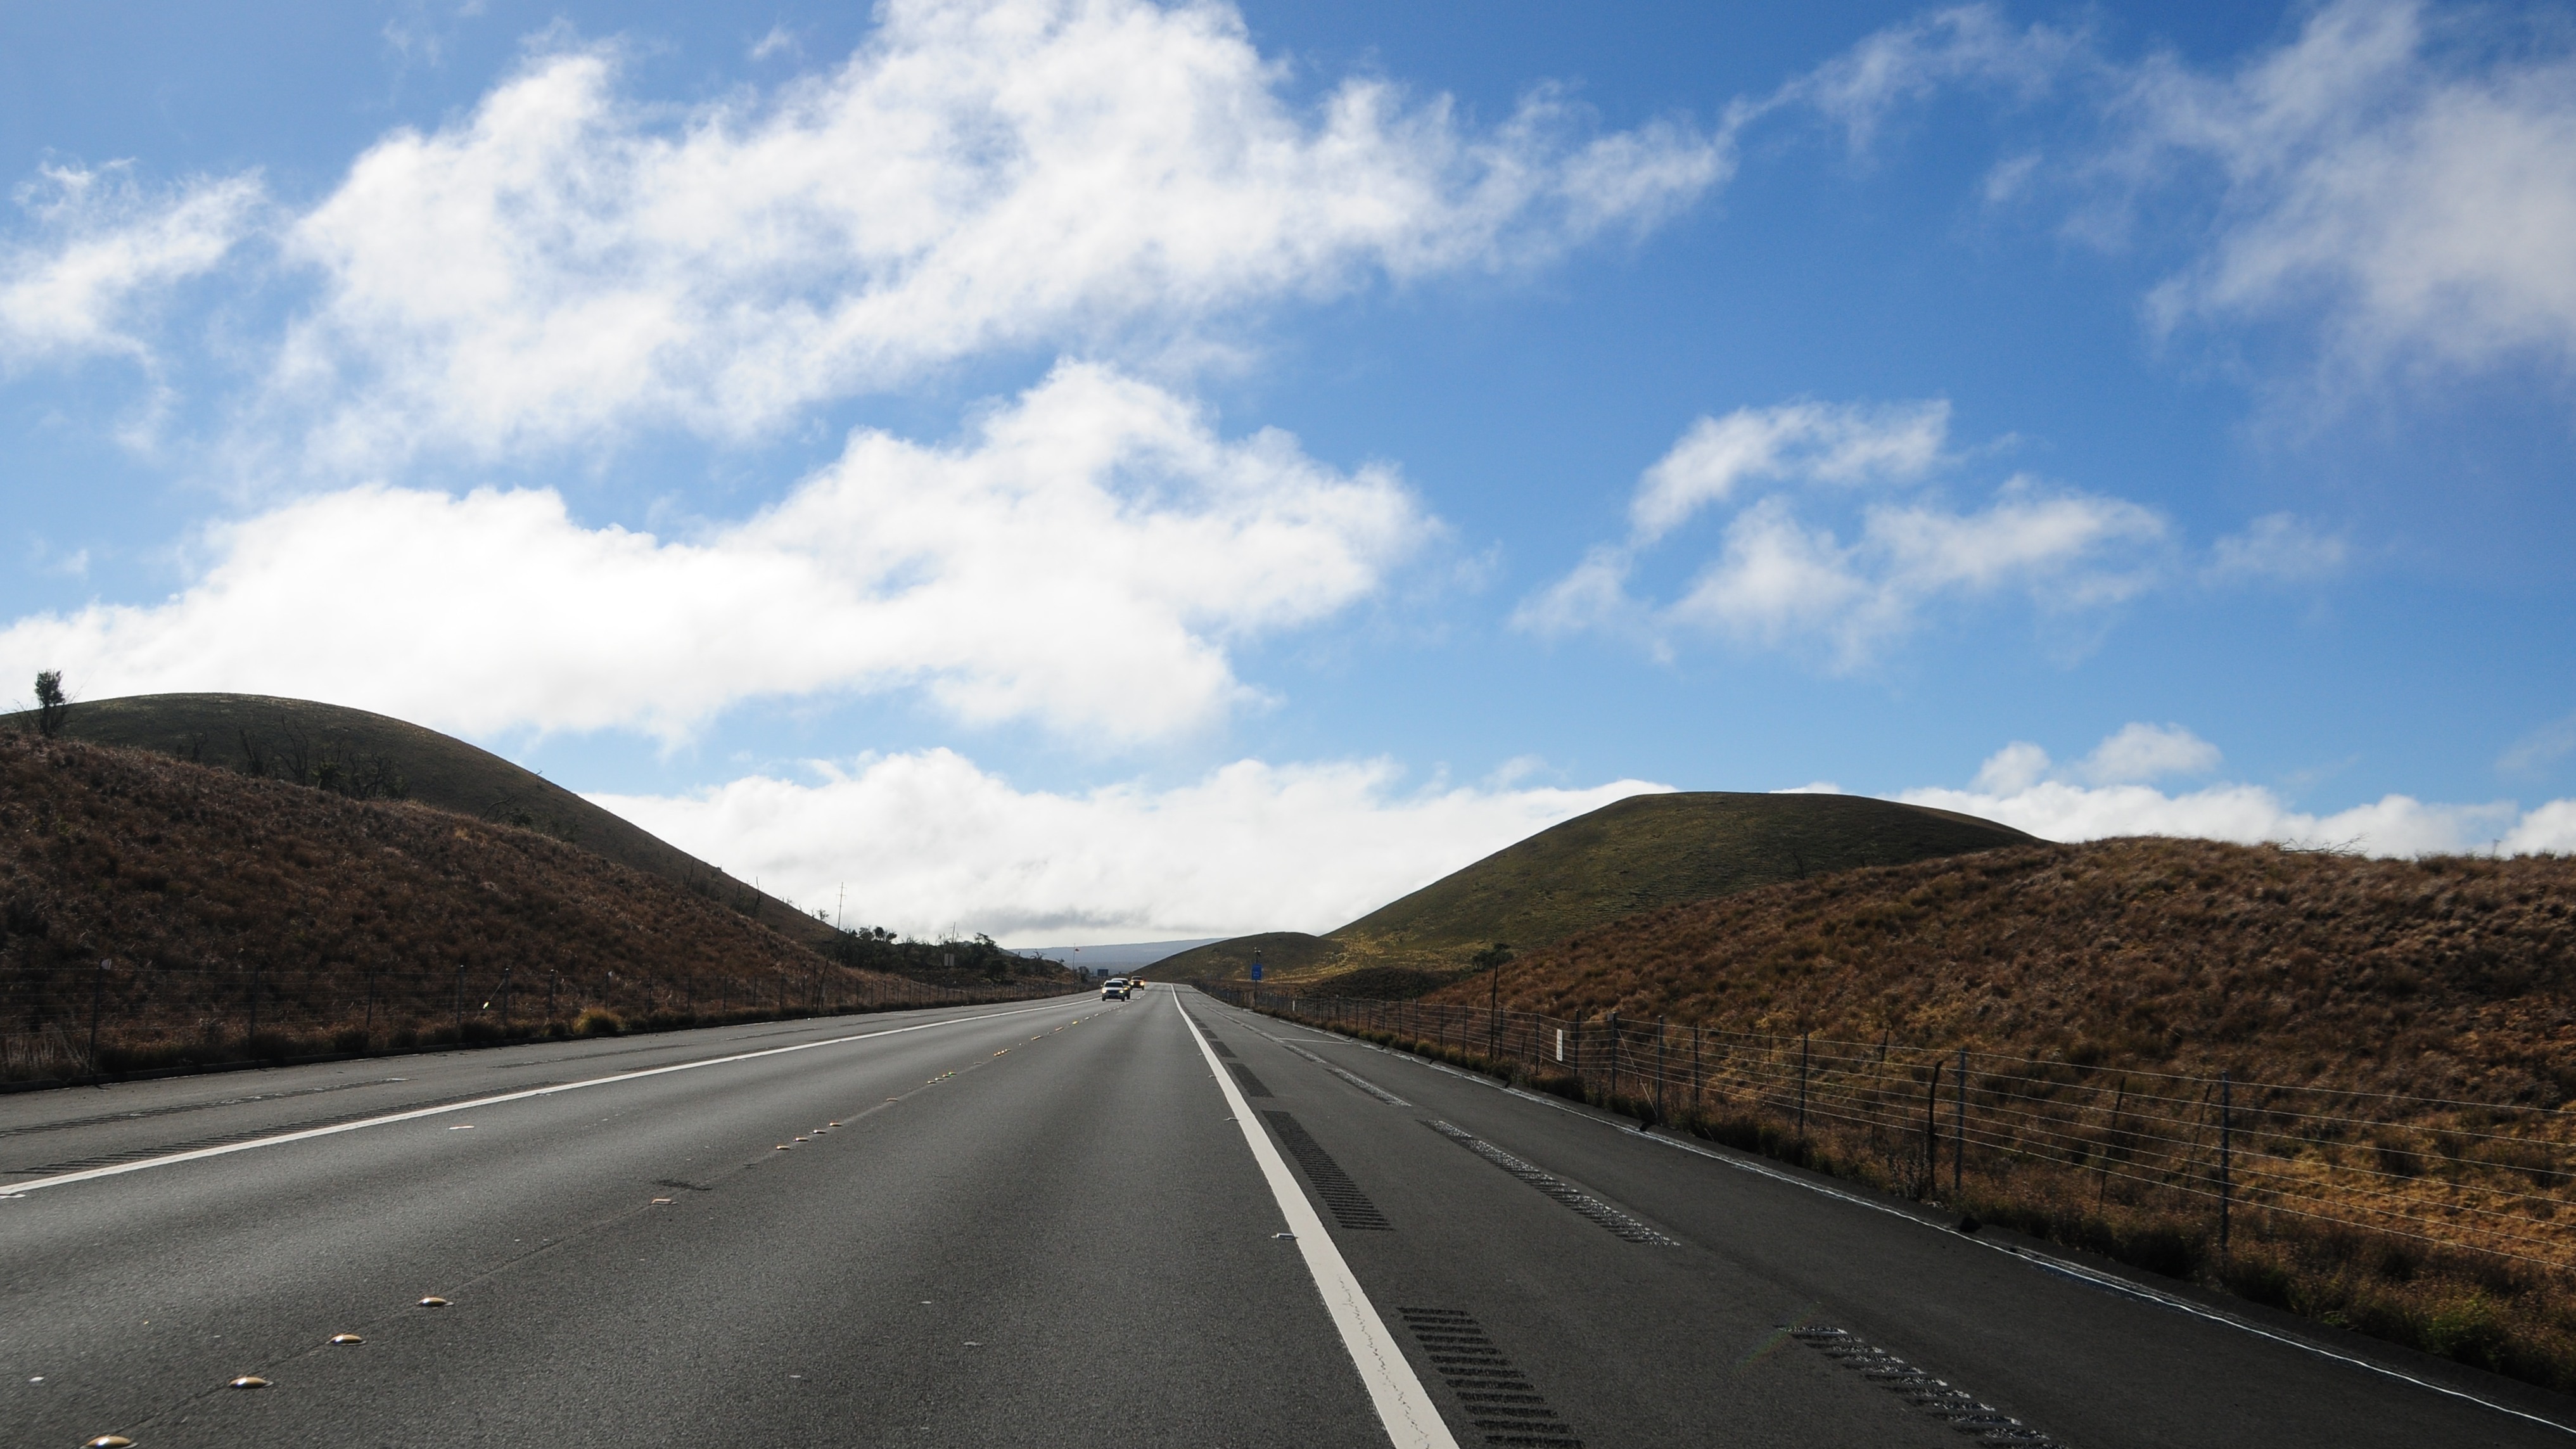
(1118,956)
(1639,854)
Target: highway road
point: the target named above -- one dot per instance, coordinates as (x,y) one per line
(1160,1222)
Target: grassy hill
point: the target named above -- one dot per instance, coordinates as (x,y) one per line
(2401,1035)
(200,914)
(2434,977)
(1637,854)
(372,756)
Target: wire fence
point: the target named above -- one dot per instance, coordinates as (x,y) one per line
(66,1023)
(2208,1157)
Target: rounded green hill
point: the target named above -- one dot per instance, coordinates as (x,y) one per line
(1638,854)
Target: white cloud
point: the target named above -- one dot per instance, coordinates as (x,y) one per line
(2421,198)
(1848,443)
(2141,753)
(2549,830)
(566,262)
(2247,814)
(2276,548)
(2541,748)
(928,840)
(1853,583)
(1594,595)
(2014,768)
(2019,786)
(1083,559)
(103,249)
(1780,580)
(2401,176)
(1909,63)
(2134,754)
(1776,578)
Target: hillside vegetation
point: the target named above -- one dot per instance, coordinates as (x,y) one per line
(233,907)
(1637,854)
(367,756)
(2392,1044)
(2435,977)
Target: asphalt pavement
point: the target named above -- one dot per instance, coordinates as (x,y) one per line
(1058,1223)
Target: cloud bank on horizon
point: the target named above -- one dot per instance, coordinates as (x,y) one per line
(923,841)
(402,433)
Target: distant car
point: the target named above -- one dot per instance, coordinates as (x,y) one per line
(1135,984)
(1114,989)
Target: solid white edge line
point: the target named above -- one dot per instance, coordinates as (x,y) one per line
(2043,1261)
(1411,1420)
(11,1189)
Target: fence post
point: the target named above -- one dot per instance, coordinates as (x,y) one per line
(505,1000)
(2226,1134)
(97,1000)
(2111,1141)
(250,1038)
(1659,1069)
(1959,1130)
(1932,1129)
(460,1003)
(372,971)
(1802,1088)
(1614,1061)
(1699,1081)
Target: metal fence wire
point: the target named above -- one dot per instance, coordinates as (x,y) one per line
(1961,1125)
(74,1022)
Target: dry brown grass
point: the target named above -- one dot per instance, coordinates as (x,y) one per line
(348,922)
(2438,977)
(2074,971)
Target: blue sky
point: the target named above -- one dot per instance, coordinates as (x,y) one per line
(1095,472)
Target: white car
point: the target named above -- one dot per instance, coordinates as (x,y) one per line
(1114,989)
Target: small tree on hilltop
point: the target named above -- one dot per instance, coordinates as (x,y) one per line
(51,706)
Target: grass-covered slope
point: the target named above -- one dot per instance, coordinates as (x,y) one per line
(1638,854)
(372,756)
(226,902)
(2398,1039)
(2441,977)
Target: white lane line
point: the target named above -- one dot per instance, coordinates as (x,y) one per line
(2045,1262)
(14,1189)
(1412,1421)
